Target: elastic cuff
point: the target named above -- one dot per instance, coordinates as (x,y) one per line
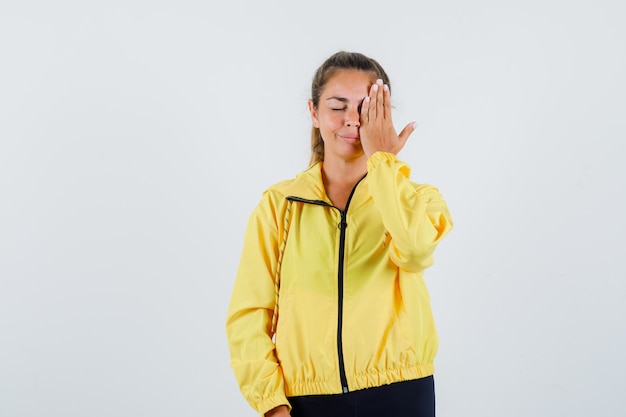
(380,157)
(271,403)
(379,160)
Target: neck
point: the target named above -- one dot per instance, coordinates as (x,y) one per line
(343,173)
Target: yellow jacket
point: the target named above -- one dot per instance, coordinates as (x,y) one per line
(353,310)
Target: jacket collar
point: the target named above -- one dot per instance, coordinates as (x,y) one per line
(308,184)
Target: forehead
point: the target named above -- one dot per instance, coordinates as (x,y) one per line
(348,83)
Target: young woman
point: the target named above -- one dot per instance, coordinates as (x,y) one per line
(329,314)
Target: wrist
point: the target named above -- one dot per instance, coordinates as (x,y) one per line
(280,411)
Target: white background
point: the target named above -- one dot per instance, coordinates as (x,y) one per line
(136,137)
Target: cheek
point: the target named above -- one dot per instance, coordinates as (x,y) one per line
(331,121)
(328,125)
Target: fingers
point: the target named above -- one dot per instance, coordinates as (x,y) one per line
(387,102)
(406,132)
(377,130)
(379,103)
(365,110)
(376,108)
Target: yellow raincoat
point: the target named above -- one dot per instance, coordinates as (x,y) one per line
(328,301)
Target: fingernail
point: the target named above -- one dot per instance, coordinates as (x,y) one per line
(379,81)
(375,87)
(386,87)
(366,99)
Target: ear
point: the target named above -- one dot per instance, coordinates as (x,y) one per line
(313,112)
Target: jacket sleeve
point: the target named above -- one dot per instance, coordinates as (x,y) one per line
(249,317)
(415,216)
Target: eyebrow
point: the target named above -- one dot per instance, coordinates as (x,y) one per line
(342,99)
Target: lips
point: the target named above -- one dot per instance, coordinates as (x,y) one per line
(350,139)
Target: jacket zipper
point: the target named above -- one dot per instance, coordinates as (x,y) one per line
(342,248)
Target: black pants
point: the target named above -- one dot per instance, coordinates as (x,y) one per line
(414,398)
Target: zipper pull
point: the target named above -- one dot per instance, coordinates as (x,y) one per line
(342,223)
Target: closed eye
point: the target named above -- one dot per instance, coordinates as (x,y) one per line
(341,109)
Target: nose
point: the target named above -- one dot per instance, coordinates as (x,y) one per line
(353,120)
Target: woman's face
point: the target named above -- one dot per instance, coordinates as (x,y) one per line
(338,113)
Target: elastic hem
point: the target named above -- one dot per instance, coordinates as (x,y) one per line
(358,382)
